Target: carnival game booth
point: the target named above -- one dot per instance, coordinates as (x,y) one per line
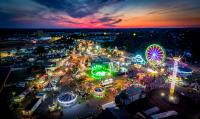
(67,99)
(22,96)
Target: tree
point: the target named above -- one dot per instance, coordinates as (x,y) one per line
(18,49)
(0,56)
(40,50)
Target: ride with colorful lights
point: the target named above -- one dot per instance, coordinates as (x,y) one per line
(139,60)
(100,71)
(155,55)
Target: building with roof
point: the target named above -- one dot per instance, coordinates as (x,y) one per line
(129,95)
(31,107)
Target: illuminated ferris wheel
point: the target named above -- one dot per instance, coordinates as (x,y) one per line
(155,54)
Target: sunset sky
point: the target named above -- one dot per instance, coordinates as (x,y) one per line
(99,13)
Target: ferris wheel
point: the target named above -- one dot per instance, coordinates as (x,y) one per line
(155,54)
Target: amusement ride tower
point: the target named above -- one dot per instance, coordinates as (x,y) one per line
(174,75)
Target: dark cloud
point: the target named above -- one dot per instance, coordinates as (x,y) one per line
(165,8)
(57,18)
(110,20)
(49,13)
(77,8)
(106,19)
(5,20)
(10,14)
(116,21)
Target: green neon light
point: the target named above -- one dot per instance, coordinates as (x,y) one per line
(100,71)
(98,96)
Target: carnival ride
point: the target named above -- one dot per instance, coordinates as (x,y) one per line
(155,55)
(67,99)
(139,60)
(99,71)
(174,75)
(99,92)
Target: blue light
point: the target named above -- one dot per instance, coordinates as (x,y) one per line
(138,59)
(154,54)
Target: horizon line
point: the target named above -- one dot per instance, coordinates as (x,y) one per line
(113,28)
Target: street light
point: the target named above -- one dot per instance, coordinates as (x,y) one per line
(162,94)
